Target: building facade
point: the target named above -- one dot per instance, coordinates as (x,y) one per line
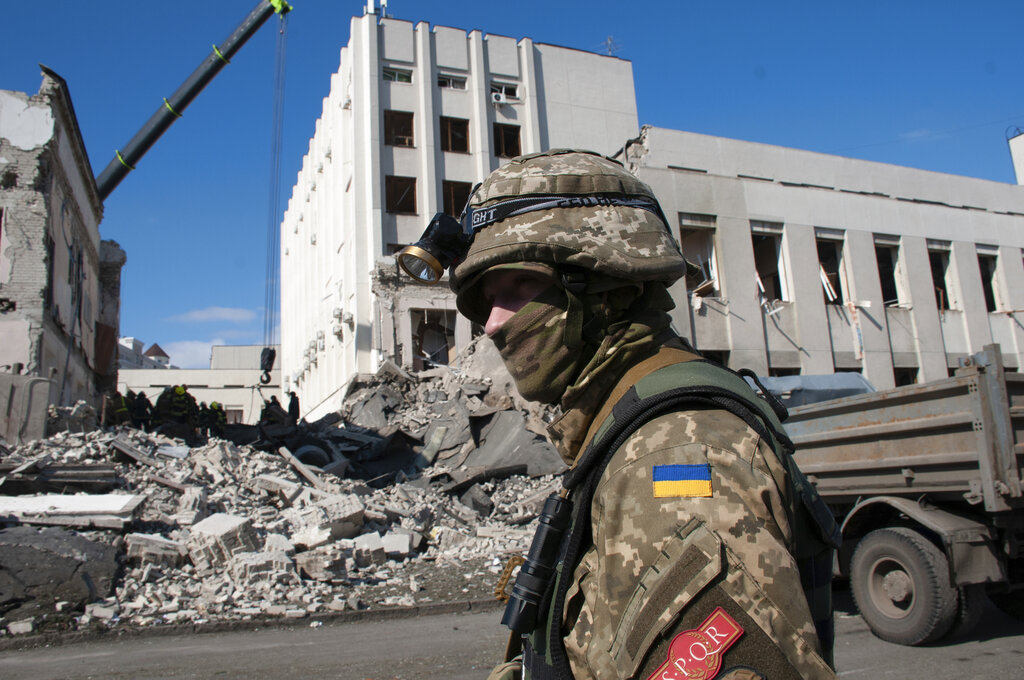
(810,263)
(59,283)
(416,116)
(813,263)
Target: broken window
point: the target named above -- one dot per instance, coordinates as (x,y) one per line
(508,90)
(987,264)
(697,240)
(456,194)
(904,376)
(938,259)
(400,194)
(887,255)
(766,238)
(433,337)
(397,75)
(830,266)
(451,82)
(506,140)
(454,134)
(9,180)
(398,128)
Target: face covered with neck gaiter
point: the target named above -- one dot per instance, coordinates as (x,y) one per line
(533,346)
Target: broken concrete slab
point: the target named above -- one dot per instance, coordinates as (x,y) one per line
(213,541)
(154,549)
(112,511)
(503,439)
(369,549)
(477,500)
(322,564)
(267,566)
(42,566)
(327,518)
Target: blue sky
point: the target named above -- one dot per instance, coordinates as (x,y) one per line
(931,85)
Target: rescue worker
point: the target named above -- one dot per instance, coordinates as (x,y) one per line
(218,419)
(117,412)
(692,531)
(293,408)
(142,411)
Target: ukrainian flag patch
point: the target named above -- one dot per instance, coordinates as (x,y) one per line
(682,481)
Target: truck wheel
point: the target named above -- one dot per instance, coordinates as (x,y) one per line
(900,583)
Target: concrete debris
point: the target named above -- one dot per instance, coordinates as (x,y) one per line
(417,491)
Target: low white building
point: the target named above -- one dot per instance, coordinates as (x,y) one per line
(815,263)
(233,379)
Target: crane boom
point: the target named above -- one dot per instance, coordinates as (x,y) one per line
(125,159)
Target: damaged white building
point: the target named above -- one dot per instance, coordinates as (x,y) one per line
(59,283)
(899,273)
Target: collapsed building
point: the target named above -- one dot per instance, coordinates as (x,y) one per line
(416,492)
(59,282)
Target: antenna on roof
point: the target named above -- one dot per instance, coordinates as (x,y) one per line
(609,46)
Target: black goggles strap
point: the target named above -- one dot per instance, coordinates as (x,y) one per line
(478,218)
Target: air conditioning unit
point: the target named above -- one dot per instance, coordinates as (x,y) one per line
(498,98)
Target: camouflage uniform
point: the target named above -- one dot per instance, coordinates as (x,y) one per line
(654,564)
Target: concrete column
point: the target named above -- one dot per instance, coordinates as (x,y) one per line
(482,119)
(861,267)
(967,281)
(427,125)
(920,292)
(530,125)
(739,287)
(1010,282)
(802,271)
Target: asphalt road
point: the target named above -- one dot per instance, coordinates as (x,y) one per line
(457,647)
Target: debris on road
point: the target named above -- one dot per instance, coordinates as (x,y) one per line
(417,491)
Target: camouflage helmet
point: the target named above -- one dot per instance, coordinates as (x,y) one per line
(603,230)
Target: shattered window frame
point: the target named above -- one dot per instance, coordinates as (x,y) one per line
(697,236)
(400,195)
(506,140)
(454,196)
(399,128)
(454,134)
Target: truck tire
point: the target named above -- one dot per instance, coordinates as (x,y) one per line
(900,583)
(972,600)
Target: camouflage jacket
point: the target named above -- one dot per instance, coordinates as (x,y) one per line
(666,557)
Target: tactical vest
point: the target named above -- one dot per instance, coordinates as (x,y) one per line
(675,380)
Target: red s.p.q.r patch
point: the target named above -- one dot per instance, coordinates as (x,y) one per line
(697,654)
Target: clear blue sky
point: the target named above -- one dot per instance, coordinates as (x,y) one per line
(931,85)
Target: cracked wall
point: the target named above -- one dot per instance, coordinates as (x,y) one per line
(50,259)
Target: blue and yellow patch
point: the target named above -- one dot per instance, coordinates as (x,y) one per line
(683,481)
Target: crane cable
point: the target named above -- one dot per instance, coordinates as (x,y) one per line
(272,298)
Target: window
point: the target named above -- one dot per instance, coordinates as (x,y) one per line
(697,240)
(887,255)
(766,238)
(506,140)
(451,82)
(400,194)
(830,263)
(397,75)
(51,253)
(455,196)
(510,90)
(904,376)
(454,134)
(433,337)
(938,259)
(987,265)
(398,128)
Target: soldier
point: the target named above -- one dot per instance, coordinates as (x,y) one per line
(694,545)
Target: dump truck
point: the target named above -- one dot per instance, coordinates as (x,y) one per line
(925,481)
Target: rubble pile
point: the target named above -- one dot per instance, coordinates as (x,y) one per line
(418,491)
